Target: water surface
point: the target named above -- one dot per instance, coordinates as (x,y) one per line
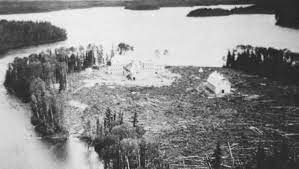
(190,41)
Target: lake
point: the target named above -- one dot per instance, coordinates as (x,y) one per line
(189,41)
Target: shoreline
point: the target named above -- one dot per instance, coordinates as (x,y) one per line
(175,111)
(207,12)
(28,33)
(9,8)
(3,52)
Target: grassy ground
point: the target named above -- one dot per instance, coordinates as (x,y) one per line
(187,122)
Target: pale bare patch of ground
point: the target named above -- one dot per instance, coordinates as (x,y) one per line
(145,79)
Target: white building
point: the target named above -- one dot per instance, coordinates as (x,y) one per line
(115,69)
(152,67)
(132,69)
(218,84)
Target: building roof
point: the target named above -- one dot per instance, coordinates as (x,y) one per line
(217,79)
(132,66)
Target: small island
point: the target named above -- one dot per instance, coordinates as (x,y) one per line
(205,12)
(286,12)
(16,34)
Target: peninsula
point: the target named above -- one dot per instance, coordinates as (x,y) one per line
(165,113)
(16,34)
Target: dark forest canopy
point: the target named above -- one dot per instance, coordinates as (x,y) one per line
(16,34)
(281,65)
(122,145)
(287,14)
(32,79)
(27,6)
(41,78)
(286,11)
(204,12)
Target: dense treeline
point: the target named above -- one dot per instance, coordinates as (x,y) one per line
(202,12)
(16,34)
(286,11)
(281,65)
(40,78)
(25,6)
(32,79)
(255,9)
(121,145)
(142,5)
(280,156)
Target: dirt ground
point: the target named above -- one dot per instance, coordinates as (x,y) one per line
(186,121)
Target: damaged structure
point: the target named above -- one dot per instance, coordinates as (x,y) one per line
(131,70)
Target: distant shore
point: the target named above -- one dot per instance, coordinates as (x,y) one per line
(7,7)
(17,34)
(141,6)
(206,12)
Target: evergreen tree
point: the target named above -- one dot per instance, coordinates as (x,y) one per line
(108,120)
(135,119)
(99,128)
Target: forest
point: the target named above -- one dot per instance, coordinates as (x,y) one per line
(281,65)
(286,11)
(121,144)
(287,14)
(32,79)
(41,79)
(254,9)
(15,34)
